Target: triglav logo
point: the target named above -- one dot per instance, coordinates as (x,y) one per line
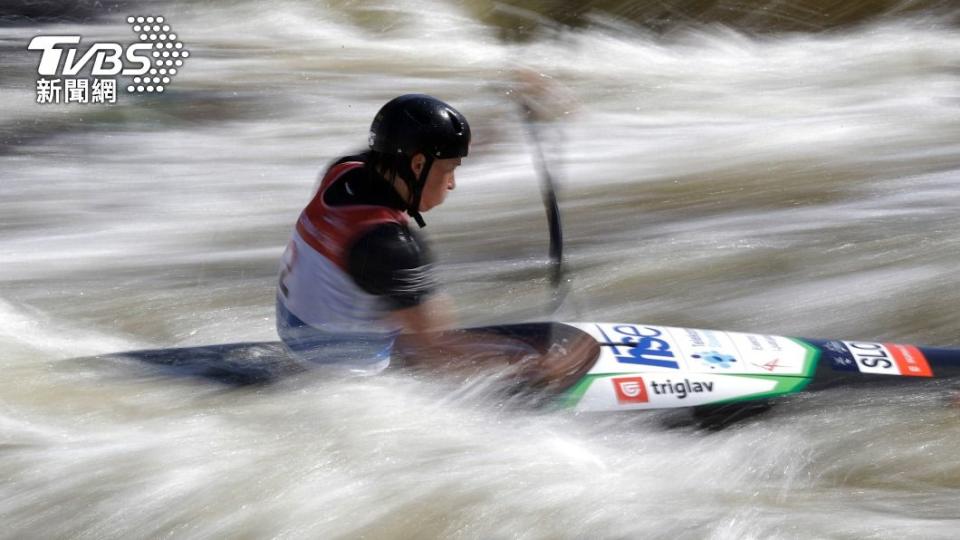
(630,390)
(153,61)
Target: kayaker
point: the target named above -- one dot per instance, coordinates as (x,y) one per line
(355,273)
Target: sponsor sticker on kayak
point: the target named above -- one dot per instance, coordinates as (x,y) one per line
(630,390)
(639,346)
(888,359)
(662,391)
(646,349)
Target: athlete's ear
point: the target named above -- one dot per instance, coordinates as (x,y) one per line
(416,163)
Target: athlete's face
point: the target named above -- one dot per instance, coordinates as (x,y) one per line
(440,180)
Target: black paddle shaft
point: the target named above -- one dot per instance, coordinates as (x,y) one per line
(549,192)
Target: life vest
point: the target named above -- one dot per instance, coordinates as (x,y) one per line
(322,314)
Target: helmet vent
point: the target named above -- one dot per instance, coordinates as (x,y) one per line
(457,124)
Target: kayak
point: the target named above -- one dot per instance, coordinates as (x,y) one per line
(721,377)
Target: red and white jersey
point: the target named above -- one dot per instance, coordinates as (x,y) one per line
(314,284)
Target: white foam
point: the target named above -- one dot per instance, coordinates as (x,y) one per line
(22,326)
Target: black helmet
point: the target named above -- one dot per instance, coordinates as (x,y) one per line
(418,123)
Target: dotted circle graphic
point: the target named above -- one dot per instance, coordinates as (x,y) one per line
(167,51)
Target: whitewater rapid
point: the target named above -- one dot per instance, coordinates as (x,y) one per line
(784,183)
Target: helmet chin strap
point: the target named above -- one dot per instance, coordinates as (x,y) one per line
(414,210)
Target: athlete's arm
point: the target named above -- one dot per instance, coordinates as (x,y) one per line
(393,263)
(433,315)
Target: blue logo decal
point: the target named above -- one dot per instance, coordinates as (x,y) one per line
(642,346)
(714,359)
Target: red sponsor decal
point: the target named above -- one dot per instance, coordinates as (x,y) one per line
(771,365)
(910,360)
(630,390)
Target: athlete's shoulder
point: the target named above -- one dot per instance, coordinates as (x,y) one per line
(393,261)
(352,158)
(394,242)
(359,186)
(342,166)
